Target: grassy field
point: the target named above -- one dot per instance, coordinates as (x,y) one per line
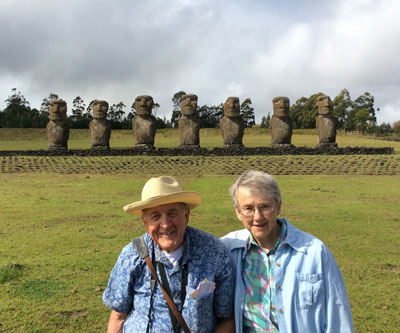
(62,225)
(35,139)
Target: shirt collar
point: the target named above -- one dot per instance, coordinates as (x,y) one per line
(282,222)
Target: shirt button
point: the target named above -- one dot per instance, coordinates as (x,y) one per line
(176,294)
(278,287)
(278,264)
(280,311)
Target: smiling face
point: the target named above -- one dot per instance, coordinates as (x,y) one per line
(263,224)
(166,225)
(143,105)
(232,107)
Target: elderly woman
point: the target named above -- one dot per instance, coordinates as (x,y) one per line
(286,280)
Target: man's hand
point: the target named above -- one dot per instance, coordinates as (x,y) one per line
(116,322)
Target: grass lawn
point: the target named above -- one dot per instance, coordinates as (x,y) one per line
(62,226)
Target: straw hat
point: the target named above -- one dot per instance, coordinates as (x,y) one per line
(160,191)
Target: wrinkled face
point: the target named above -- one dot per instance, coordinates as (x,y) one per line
(189,105)
(263,223)
(100,109)
(166,225)
(324,104)
(58,110)
(143,105)
(281,106)
(232,107)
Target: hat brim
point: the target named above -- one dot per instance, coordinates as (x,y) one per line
(191,199)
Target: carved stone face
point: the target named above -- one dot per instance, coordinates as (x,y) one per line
(100,109)
(189,104)
(281,106)
(232,107)
(324,104)
(58,110)
(143,105)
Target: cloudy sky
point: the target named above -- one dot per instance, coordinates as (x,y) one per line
(117,50)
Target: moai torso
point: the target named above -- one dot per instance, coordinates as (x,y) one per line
(144,128)
(189,131)
(57,128)
(280,124)
(326,123)
(326,128)
(99,127)
(232,125)
(189,123)
(144,124)
(281,130)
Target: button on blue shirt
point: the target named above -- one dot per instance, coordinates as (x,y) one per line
(128,289)
(311,296)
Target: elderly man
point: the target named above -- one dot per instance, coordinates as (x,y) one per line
(193,266)
(286,280)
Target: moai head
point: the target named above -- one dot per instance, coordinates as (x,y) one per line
(281,106)
(232,107)
(143,105)
(189,104)
(100,109)
(58,110)
(324,104)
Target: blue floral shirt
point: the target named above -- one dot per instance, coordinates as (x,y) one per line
(128,289)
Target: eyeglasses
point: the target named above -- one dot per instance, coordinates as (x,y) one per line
(263,209)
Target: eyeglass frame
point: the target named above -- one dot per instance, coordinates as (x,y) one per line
(263,212)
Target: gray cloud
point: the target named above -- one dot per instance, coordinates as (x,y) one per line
(118,50)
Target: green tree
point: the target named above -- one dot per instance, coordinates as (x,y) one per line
(18,112)
(363,110)
(396,127)
(304,112)
(342,106)
(265,121)
(176,108)
(79,118)
(211,115)
(247,113)
(115,115)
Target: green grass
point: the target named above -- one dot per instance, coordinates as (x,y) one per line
(62,225)
(35,139)
(65,231)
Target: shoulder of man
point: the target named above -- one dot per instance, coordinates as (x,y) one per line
(202,239)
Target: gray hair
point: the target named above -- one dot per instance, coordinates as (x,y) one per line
(258,183)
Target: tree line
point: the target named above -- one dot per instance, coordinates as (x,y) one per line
(357,115)
(19,114)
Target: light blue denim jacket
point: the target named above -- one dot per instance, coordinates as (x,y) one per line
(310,292)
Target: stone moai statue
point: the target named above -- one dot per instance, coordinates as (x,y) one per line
(280,124)
(189,123)
(100,127)
(57,128)
(232,125)
(144,124)
(326,123)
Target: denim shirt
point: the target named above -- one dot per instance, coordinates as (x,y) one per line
(310,292)
(128,290)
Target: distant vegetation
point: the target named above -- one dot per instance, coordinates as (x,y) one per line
(357,115)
